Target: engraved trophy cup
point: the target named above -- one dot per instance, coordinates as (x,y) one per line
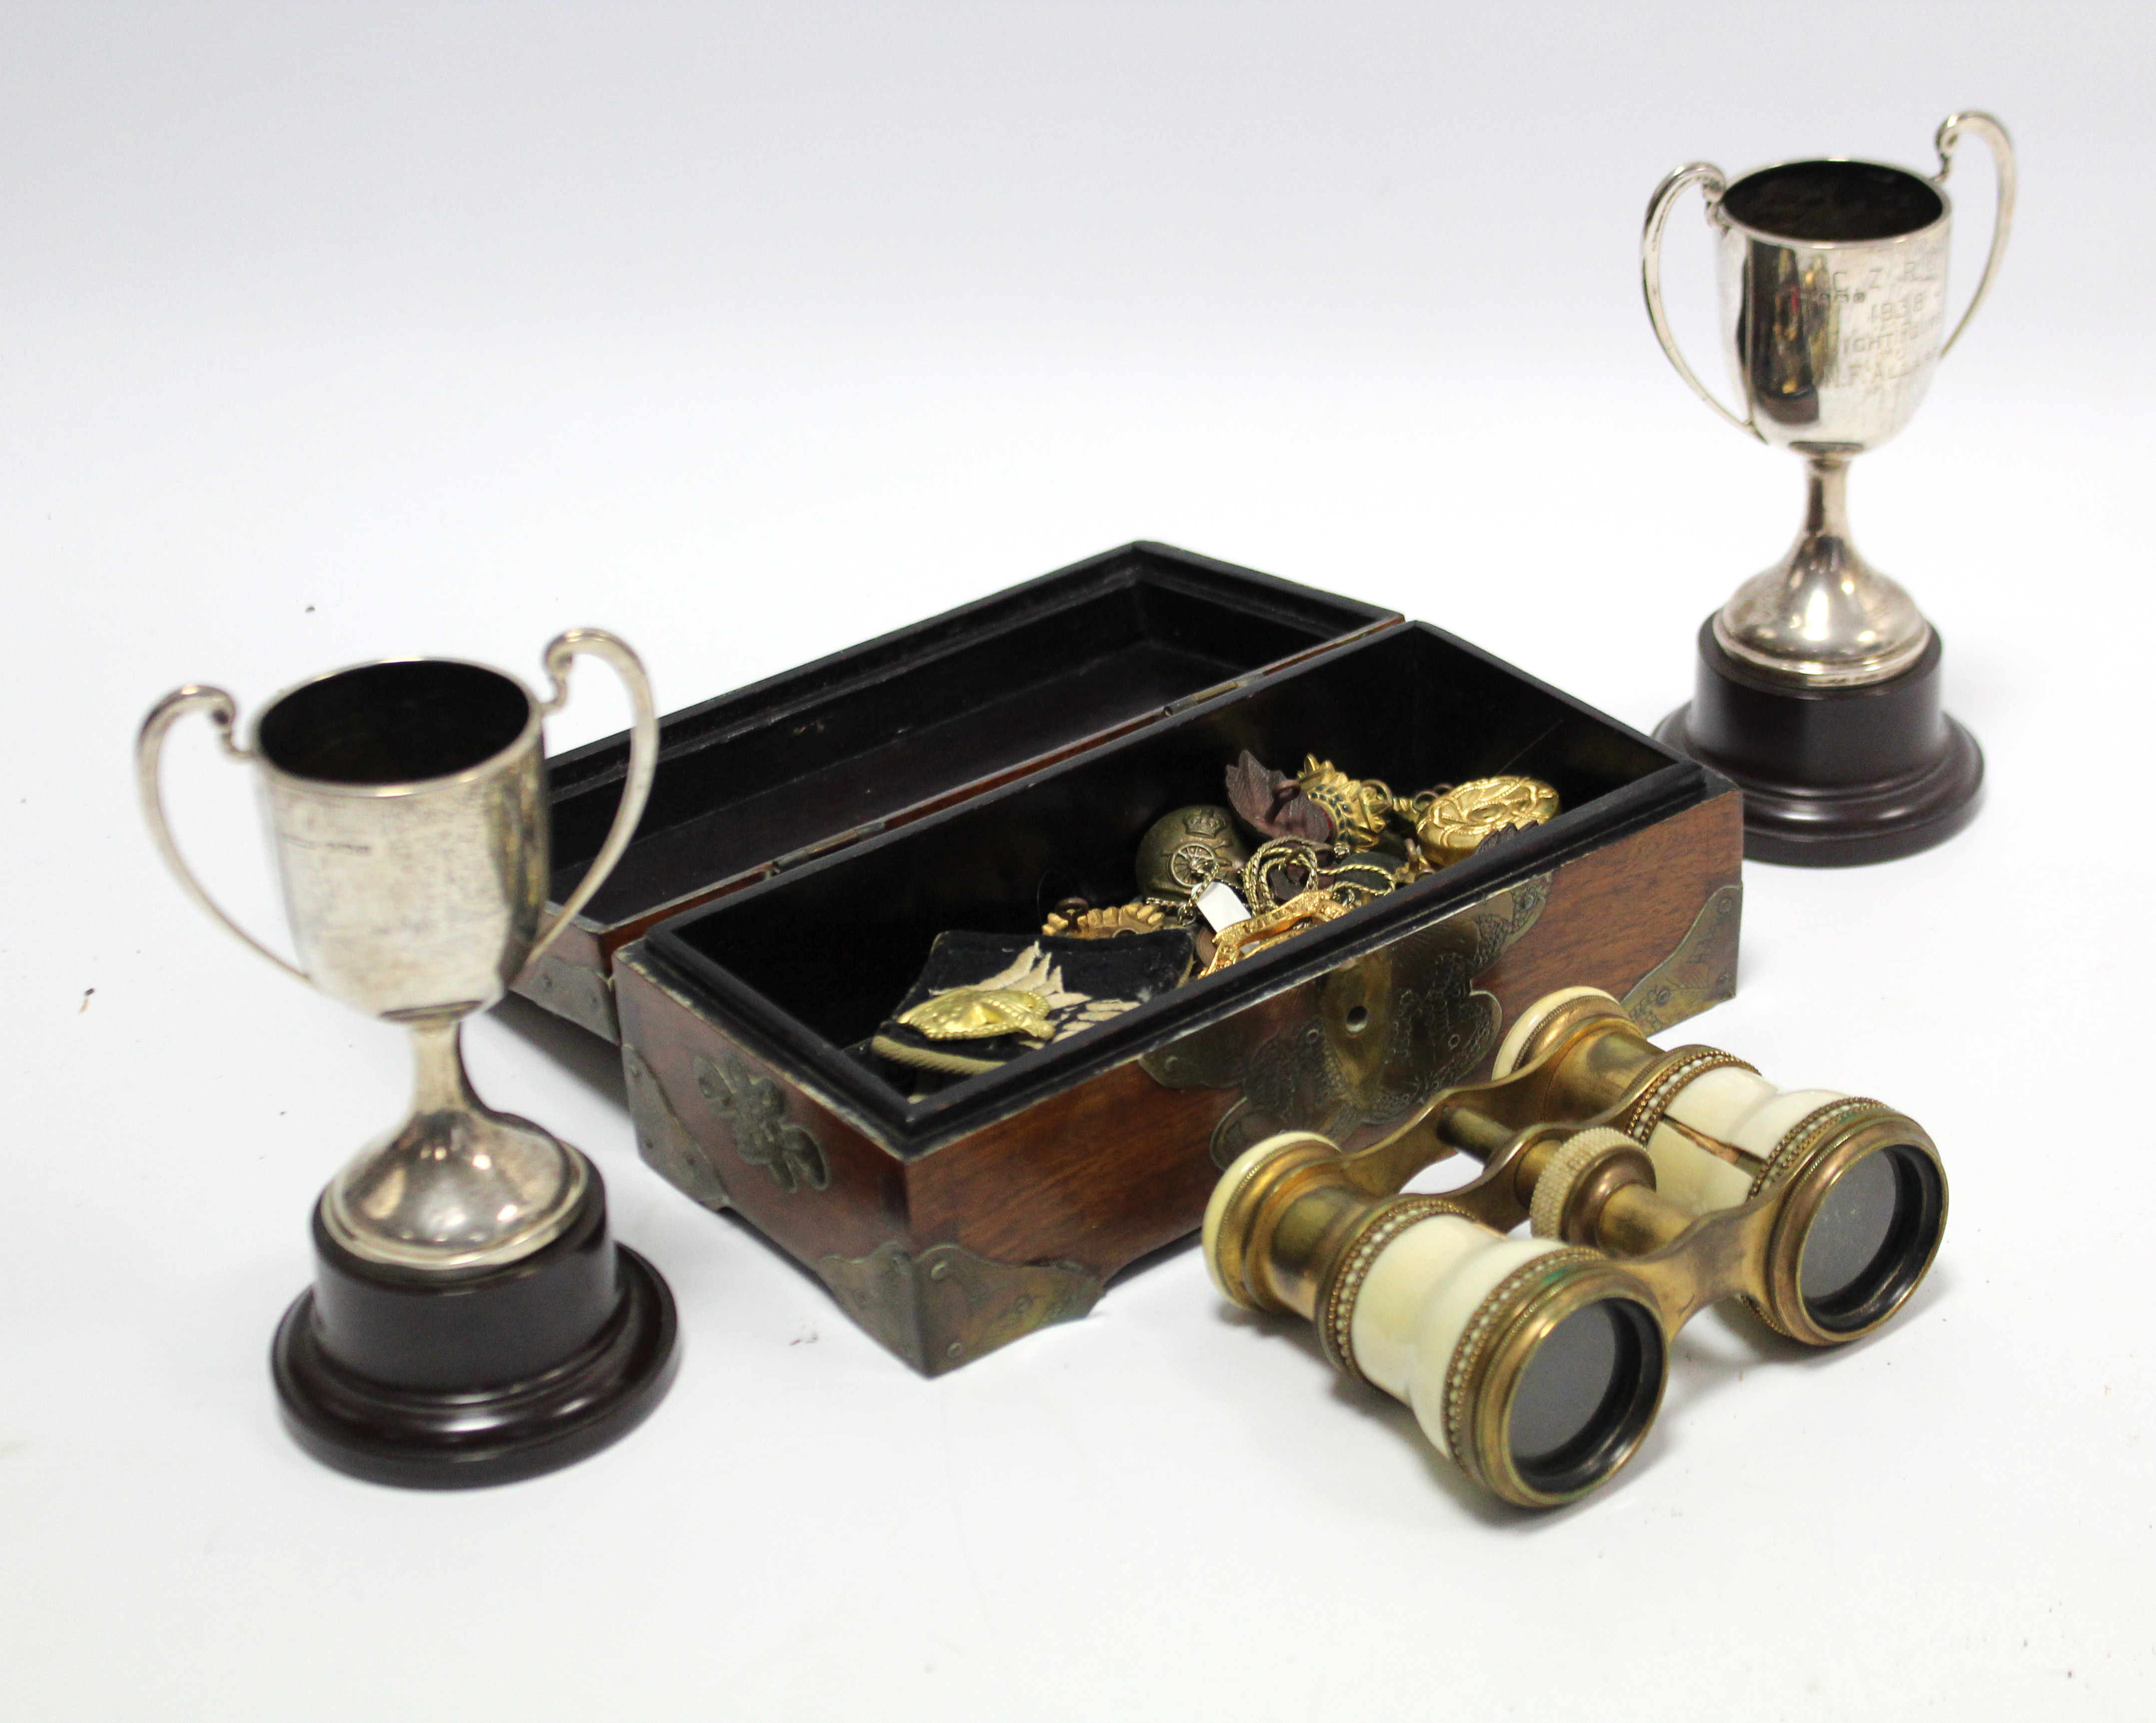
(471,1321)
(1818,687)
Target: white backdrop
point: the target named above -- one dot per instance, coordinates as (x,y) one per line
(750,332)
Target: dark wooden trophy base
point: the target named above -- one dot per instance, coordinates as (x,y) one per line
(1831,777)
(416,1378)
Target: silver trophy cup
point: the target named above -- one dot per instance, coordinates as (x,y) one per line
(406,802)
(1832,277)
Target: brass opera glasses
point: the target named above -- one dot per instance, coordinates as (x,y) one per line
(1656,1183)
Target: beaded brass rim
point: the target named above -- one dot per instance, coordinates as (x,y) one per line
(1468,1354)
(1799,1139)
(1646,1112)
(1351,1267)
(1811,1159)
(1520,1312)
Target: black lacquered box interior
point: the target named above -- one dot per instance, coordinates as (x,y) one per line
(810,962)
(759,774)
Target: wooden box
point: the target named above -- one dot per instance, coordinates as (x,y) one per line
(809,837)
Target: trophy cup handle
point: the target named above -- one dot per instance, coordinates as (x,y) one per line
(149,751)
(642,762)
(2002,154)
(1712,184)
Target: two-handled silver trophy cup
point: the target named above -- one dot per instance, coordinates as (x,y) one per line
(471,1319)
(1818,688)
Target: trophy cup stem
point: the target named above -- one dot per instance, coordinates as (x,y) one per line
(440,1083)
(457,1185)
(1822,616)
(1826,498)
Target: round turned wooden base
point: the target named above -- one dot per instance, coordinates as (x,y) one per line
(436,1382)
(1831,777)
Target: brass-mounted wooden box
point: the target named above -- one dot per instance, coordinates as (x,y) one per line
(809,837)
